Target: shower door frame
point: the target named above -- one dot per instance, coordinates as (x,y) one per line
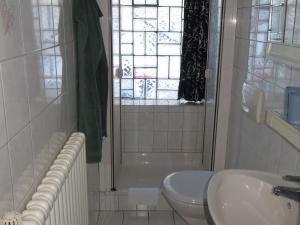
(218,79)
(113,182)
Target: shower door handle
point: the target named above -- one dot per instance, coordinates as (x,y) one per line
(207,74)
(119,72)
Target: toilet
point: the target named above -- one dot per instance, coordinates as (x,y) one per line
(186,193)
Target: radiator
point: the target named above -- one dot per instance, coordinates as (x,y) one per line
(61,198)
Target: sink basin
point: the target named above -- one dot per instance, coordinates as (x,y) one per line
(242,197)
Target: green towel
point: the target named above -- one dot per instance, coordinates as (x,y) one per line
(92,77)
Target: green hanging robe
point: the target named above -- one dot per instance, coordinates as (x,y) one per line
(92,77)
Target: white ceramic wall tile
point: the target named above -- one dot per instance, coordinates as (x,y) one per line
(15,95)
(21,158)
(253,146)
(10,30)
(36,79)
(31,30)
(6,196)
(160,141)
(174,141)
(175,121)
(189,141)
(161,121)
(34,108)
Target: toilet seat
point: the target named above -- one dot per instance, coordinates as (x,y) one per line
(187,186)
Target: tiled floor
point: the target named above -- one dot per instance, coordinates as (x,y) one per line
(136,218)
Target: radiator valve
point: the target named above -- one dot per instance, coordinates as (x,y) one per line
(11,218)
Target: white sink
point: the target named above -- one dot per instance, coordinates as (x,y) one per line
(241,197)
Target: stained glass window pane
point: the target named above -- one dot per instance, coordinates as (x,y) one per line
(145,73)
(166,49)
(151,2)
(139,88)
(163,67)
(126,12)
(126,2)
(168,84)
(127,84)
(145,61)
(167,94)
(163,18)
(139,43)
(175,19)
(127,65)
(151,89)
(174,67)
(127,93)
(151,38)
(126,49)
(126,37)
(151,43)
(170,2)
(169,37)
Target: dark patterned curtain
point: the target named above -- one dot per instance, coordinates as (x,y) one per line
(194,50)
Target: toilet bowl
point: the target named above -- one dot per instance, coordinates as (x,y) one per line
(186,193)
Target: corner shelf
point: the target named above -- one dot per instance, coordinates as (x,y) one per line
(282,127)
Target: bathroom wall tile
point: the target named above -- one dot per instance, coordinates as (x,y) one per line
(161,121)
(3,135)
(189,141)
(190,122)
(36,79)
(253,146)
(145,140)
(40,143)
(131,121)
(175,121)
(6,196)
(288,159)
(15,95)
(131,140)
(58,22)
(10,31)
(146,121)
(31,30)
(160,141)
(21,158)
(161,218)
(174,140)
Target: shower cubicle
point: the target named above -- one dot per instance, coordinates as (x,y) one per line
(154,133)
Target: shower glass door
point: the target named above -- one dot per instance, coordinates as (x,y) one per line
(154,133)
(211,98)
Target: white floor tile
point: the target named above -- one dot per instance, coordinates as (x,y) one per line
(161,218)
(135,218)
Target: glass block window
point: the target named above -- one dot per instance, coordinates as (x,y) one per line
(150,48)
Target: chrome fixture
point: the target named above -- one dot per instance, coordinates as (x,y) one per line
(288,192)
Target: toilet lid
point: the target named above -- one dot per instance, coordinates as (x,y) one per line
(187,186)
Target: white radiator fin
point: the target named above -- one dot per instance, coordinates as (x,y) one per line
(61,198)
